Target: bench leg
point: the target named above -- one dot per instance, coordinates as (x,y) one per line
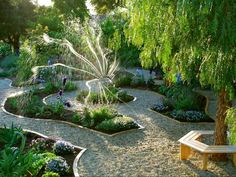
(205,160)
(234,159)
(184,152)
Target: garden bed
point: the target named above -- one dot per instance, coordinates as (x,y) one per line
(101,119)
(182,104)
(33,154)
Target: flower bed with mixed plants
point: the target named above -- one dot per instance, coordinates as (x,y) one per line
(182,104)
(28,154)
(103,119)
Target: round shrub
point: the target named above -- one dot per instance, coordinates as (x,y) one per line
(189,116)
(160,107)
(62,148)
(124,97)
(39,144)
(117,124)
(76,118)
(138,81)
(58,165)
(123,81)
(51,174)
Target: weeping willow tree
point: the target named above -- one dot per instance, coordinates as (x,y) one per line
(196,38)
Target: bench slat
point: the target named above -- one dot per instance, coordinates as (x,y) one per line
(196,145)
(191,135)
(221,149)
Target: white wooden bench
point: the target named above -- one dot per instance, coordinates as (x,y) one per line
(191,141)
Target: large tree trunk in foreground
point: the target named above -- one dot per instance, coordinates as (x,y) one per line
(223,104)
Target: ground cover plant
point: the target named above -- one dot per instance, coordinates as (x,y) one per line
(182,104)
(20,155)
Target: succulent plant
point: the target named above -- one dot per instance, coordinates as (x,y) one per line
(39,144)
(63,147)
(58,165)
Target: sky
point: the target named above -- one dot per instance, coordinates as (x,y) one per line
(44,2)
(49,3)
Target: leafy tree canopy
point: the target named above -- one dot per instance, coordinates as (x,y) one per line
(76,8)
(113,36)
(14,18)
(196,38)
(104,6)
(190,37)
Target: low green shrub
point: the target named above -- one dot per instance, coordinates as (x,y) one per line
(160,108)
(150,83)
(70,86)
(39,161)
(231,121)
(123,81)
(82,96)
(5,49)
(101,114)
(117,124)
(138,81)
(91,118)
(112,95)
(190,116)
(163,89)
(51,87)
(58,109)
(76,118)
(182,97)
(51,174)
(9,61)
(4,74)
(124,97)
(32,106)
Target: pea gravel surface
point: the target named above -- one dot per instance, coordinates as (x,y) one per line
(153,151)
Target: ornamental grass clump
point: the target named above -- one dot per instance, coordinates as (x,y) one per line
(63,147)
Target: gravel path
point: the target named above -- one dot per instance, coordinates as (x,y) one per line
(153,151)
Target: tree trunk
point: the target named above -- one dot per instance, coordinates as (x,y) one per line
(14,41)
(223,104)
(16,44)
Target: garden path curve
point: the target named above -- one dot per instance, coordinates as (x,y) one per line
(153,151)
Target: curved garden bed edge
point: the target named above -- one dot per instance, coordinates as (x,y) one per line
(65,122)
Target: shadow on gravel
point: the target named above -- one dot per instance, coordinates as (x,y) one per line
(227,167)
